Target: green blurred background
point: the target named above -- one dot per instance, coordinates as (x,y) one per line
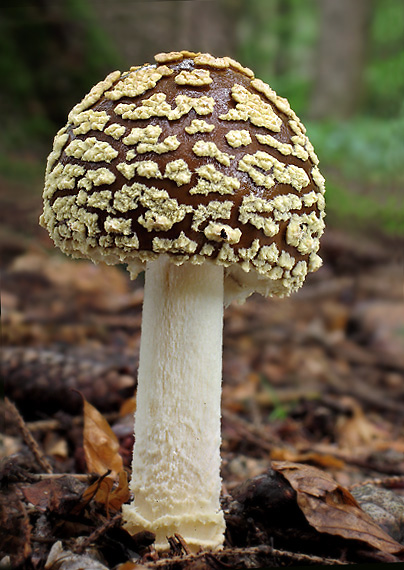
(339,62)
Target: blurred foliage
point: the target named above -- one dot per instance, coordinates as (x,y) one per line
(277,40)
(52,53)
(378,211)
(363,160)
(365,149)
(384,72)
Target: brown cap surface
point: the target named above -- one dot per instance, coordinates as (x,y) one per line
(194,158)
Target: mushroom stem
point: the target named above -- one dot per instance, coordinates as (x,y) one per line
(176,460)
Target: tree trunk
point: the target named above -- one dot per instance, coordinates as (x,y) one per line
(141,29)
(284,15)
(341,53)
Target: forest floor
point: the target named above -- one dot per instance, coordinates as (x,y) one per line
(312,420)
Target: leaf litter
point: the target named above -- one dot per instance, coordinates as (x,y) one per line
(313,401)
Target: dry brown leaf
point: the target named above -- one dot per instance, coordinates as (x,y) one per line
(101,446)
(357,430)
(331,509)
(55,445)
(320,459)
(120,494)
(98,491)
(128,407)
(58,495)
(103,491)
(129,565)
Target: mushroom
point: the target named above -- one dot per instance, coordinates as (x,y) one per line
(199,173)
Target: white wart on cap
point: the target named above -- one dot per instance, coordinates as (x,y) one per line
(194,158)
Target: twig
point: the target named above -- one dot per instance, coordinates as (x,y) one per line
(95,535)
(264,550)
(84,477)
(376,399)
(250,432)
(54,424)
(363,463)
(28,438)
(395,482)
(182,542)
(351,459)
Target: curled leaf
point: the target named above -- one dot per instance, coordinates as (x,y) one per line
(105,491)
(120,494)
(101,446)
(331,509)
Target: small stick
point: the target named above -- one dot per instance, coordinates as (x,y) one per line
(249,551)
(394,482)
(28,438)
(95,535)
(182,542)
(84,477)
(54,424)
(249,431)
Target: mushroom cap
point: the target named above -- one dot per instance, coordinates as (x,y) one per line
(194,158)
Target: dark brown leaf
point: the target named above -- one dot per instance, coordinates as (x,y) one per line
(56,495)
(332,509)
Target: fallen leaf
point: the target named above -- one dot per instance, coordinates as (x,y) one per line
(120,494)
(128,407)
(55,445)
(98,491)
(101,450)
(101,446)
(103,491)
(356,430)
(320,459)
(331,509)
(129,565)
(56,495)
